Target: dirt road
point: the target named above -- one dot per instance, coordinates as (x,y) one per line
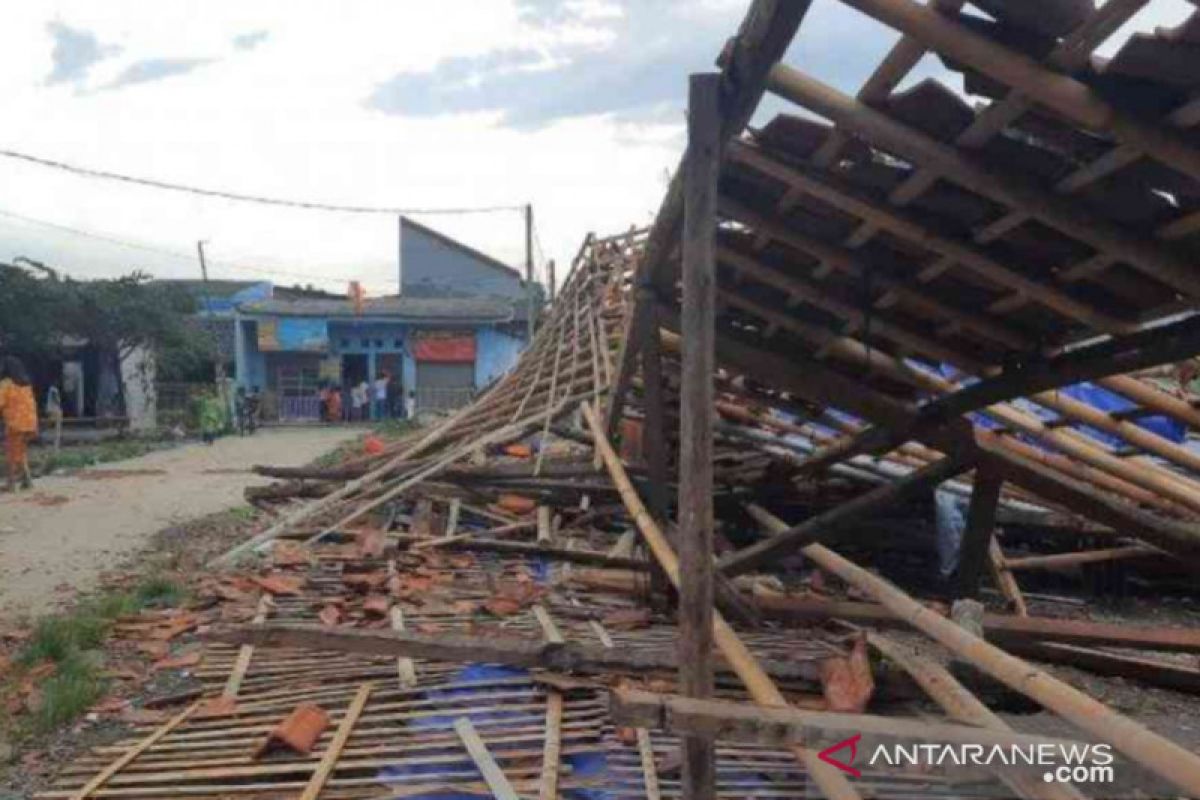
(56,539)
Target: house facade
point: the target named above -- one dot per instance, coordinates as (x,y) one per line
(458,324)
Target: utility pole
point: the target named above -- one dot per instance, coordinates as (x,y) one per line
(529,265)
(550,270)
(219,367)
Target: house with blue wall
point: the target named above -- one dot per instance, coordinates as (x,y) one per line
(458,324)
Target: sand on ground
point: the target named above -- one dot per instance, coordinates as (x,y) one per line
(56,539)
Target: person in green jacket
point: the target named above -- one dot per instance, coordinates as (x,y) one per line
(212,417)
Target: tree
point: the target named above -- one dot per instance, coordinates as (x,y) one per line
(41,316)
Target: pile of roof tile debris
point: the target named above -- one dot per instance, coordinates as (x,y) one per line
(912,334)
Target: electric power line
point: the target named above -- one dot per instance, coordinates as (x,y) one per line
(190,258)
(248,198)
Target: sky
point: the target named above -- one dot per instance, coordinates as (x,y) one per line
(575,106)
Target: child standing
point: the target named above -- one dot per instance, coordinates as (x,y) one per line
(18,409)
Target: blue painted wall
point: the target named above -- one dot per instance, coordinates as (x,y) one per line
(496,351)
(431,267)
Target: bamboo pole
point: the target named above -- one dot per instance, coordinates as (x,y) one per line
(760,686)
(1060,561)
(1160,755)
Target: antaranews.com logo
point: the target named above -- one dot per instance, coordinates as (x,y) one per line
(1058,762)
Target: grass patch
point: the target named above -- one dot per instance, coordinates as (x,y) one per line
(243,513)
(72,641)
(74,687)
(160,592)
(43,460)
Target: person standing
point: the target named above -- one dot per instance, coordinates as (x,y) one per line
(18,409)
(379,406)
(54,413)
(410,405)
(212,417)
(359,397)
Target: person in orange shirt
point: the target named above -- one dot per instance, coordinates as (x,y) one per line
(18,409)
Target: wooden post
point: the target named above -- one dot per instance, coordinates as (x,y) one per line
(981,521)
(529,270)
(695,546)
(655,441)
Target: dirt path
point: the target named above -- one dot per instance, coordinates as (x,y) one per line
(56,539)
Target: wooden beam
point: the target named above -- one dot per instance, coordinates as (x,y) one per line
(1152,671)
(1053,90)
(1003,628)
(764,35)
(1067,561)
(695,505)
(1005,579)
(826,527)
(816,382)
(512,651)
(1164,344)
(903,224)
(534,549)
(780,727)
(981,523)
(1060,213)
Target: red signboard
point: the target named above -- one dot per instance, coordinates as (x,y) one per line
(452,349)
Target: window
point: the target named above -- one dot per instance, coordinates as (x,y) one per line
(366,343)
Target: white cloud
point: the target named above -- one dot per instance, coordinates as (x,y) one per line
(288,119)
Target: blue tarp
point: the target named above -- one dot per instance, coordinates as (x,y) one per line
(475,679)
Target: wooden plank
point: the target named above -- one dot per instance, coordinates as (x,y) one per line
(452,516)
(649,768)
(550,631)
(544,532)
(234,684)
(333,751)
(132,753)
(981,524)
(406,670)
(552,749)
(696,394)
(488,768)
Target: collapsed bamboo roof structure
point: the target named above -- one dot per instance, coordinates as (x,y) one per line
(835,314)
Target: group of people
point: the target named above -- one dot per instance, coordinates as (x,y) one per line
(367,400)
(18,410)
